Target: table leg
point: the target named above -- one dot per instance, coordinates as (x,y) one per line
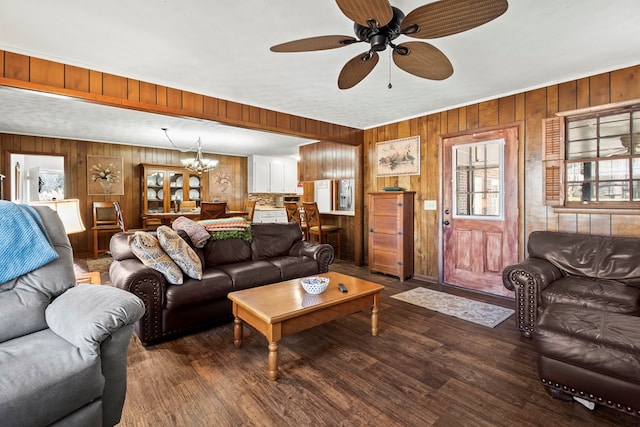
(374,315)
(273,361)
(237,332)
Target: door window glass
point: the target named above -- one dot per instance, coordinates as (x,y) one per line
(479,179)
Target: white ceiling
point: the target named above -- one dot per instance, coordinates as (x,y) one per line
(221,48)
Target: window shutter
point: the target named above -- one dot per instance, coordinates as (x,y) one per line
(553,161)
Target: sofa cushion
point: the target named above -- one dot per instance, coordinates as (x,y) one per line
(595,293)
(180,252)
(250,274)
(227,251)
(274,239)
(49,378)
(215,284)
(603,257)
(293,267)
(596,340)
(148,250)
(196,232)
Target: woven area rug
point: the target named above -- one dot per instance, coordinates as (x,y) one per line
(463,308)
(101,265)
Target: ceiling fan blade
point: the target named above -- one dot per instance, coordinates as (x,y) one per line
(357,69)
(361,11)
(314,43)
(446,17)
(422,60)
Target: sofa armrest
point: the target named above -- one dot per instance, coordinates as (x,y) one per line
(323,253)
(147,284)
(86,315)
(528,279)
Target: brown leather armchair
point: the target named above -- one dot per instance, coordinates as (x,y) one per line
(578,296)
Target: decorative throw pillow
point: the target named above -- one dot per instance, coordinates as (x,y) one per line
(148,250)
(180,252)
(197,233)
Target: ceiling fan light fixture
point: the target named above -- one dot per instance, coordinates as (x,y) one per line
(378,42)
(378,23)
(199,164)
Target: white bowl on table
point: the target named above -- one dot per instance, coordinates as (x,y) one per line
(314,285)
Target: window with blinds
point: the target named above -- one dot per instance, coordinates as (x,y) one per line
(593,160)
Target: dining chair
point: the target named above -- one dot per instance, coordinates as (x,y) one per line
(249,208)
(293,215)
(212,210)
(105,221)
(188,205)
(316,228)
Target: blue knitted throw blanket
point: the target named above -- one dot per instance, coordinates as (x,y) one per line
(24,243)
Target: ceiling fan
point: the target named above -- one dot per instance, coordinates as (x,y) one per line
(378,23)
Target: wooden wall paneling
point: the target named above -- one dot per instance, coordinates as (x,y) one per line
(599,89)
(507,110)
(148,93)
(76,78)
(234,112)
(95,82)
(2,53)
(473,116)
(430,241)
(626,225)
(567,96)
(601,224)
(520,109)
(567,223)
(114,86)
(488,113)
(582,93)
(16,66)
(583,224)
(625,84)
(161,96)
(46,72)
(133,90)
(552,100)
(535,107)
(174,98)
(452,121)
(192,102)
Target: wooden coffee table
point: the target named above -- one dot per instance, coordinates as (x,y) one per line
(285,308)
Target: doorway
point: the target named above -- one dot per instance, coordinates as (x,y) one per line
(480,209)
(36,177)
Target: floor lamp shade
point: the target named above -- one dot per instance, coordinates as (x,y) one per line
(68,211)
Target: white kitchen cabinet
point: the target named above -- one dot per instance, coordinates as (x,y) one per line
(272,174)
(271,215)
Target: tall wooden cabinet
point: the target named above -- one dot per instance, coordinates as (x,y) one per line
(161,185)
(391,233)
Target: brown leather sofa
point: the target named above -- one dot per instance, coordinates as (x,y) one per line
(578,296)
(276,253)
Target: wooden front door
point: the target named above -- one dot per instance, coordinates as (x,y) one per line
(480,209)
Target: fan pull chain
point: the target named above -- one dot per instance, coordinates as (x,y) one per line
(390,85)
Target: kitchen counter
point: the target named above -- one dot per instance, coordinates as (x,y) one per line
(342,213)
(268,208)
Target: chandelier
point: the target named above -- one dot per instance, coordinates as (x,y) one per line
(199,164)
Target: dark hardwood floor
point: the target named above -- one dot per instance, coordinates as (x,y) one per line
(423,369)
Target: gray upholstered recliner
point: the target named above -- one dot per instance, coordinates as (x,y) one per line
(63,348)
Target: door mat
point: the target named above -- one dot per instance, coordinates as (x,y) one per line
(463,308)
